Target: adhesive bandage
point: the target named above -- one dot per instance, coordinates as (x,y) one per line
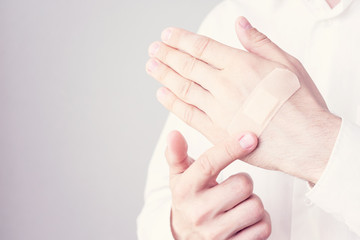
(265,101)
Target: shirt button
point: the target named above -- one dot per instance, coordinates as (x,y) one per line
(308,202)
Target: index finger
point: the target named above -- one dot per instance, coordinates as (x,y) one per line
(202,173)
(198,46)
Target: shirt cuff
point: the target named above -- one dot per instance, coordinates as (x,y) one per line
(337,192)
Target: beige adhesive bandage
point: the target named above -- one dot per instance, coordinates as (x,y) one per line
(264,102)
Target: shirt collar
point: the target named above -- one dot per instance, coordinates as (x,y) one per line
(322,10)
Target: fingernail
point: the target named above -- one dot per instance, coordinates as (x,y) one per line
(152,65)
(166,34)
(154,48)
(247,141)
(244,23)
(161,93)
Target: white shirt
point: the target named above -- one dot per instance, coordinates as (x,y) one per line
(327,42)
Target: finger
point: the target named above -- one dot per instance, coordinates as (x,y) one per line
(176,153)
(184,64)
(258,231)
(207,167)
(258,43)
(230,193)
(191,115)
(242,216)
(186,90)
(200,47)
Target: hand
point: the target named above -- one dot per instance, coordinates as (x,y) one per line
(204,209)
(206,83)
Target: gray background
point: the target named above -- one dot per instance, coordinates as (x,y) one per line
(79,119)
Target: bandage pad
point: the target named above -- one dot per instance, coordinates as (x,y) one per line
(264,102)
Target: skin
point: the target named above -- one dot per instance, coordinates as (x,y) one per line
(202,208)
(205,209)
(206,82)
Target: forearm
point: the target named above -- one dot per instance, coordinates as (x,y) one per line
(315,145)
(337,192)
(323,139)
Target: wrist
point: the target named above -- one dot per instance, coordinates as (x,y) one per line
(320,137)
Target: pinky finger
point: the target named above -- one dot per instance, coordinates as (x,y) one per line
(259,231)
(191,115)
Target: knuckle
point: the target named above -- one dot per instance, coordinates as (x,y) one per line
(164,54)
(188,66)
(291,63)
(186,88)
(194,235)
(247,182)
(296,66)
(265,230)
(231,150)
(259,38)
(188,115)
(257,207)
(163,74)
(207,166)
(242,183)
(197,216)
(200,46)
(212,234)
(294,60)
(170,105)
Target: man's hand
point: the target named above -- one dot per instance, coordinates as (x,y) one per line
(207,82)
(204,209)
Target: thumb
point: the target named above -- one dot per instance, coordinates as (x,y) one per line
(176,153)
(258,43)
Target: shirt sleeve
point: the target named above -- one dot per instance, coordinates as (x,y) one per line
(337,192)
(154,219)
